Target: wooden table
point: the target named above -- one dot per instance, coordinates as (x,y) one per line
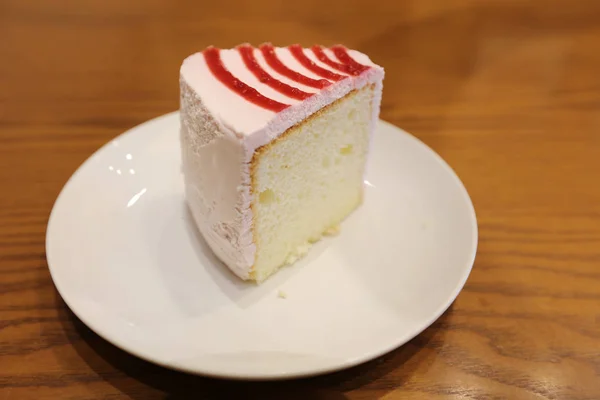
(507,92)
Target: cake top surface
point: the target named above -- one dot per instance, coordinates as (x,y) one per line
(249,89)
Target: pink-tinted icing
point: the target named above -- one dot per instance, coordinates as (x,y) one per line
(347,65)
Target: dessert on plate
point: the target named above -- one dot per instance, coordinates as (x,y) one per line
(274,147)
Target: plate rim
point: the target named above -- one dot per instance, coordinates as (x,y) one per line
(368,356)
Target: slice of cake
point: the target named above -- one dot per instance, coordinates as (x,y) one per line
(274,145)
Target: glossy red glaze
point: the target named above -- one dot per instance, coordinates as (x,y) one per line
(271,58)
(349,68)
(247,53)
(298,53)
(215,64)
(342,54)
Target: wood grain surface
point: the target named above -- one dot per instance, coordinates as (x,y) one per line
(508,92)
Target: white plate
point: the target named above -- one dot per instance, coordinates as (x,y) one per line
(128,261)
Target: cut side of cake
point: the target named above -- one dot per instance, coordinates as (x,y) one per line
(274,148)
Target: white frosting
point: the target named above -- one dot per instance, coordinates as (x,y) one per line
(221,131)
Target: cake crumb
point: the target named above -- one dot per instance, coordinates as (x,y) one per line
(290,259)
(300,252)
(282,295)
(332,231)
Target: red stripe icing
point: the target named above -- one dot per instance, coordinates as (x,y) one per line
(342,54)
(298,53)
(247,53)
(350,69)
(274,62)
(215,64)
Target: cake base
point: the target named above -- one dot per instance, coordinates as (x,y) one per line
(308,180)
